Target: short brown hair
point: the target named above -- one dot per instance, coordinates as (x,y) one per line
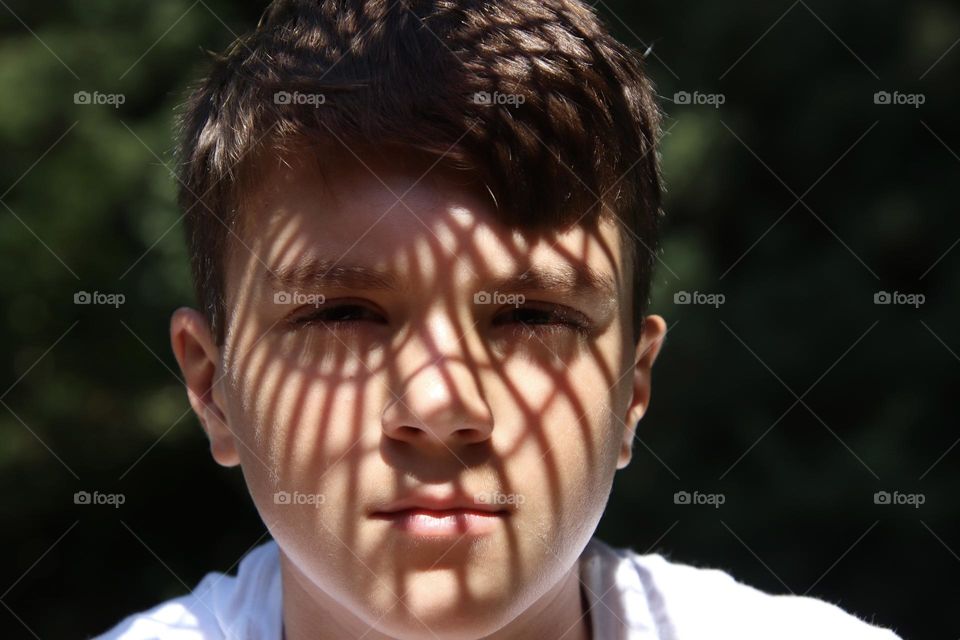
(534,95)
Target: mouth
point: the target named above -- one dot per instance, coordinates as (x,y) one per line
(421,522)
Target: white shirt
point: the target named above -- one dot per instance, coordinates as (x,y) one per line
(631,597)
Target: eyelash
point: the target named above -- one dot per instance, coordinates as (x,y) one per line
(320,318)
(560,319)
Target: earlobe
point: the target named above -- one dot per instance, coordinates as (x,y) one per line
(648,348)
(626,445)
(199,357)
(223,446)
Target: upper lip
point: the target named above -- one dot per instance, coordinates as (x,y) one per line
(434,502)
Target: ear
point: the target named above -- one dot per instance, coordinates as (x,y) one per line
(199,360)
(648,347)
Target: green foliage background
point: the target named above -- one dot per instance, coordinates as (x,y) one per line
(90,400)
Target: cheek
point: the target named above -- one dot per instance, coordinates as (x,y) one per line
(313,457)
(567,407)
(304,431)
(558,439)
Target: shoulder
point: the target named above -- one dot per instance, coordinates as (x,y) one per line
(220,606)
(185,618)
(694,602)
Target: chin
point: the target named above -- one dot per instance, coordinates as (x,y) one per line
(444,609)
(442,625)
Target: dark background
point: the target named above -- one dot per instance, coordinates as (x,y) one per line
(797,199)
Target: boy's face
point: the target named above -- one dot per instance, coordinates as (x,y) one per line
(403,386)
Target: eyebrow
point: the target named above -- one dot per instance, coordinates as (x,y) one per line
(564,279)
(323,274)
(329,274)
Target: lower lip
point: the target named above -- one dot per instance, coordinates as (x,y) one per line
(452,523)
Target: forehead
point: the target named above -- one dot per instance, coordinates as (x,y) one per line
(406,213)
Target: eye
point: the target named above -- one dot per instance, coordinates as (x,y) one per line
(528,321)
(336,317)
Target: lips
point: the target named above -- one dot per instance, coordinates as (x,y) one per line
(446,523)
(432,516)
(430,502)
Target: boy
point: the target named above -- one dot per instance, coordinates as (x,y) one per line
(422,237)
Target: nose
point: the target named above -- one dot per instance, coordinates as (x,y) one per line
(436,395)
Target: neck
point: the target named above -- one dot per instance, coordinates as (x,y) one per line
(560,613)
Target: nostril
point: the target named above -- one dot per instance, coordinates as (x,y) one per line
(409,432)
(463,435)
(469,435)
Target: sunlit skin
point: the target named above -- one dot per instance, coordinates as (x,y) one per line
(377,393)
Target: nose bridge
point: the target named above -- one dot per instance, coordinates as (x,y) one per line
(436,390)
